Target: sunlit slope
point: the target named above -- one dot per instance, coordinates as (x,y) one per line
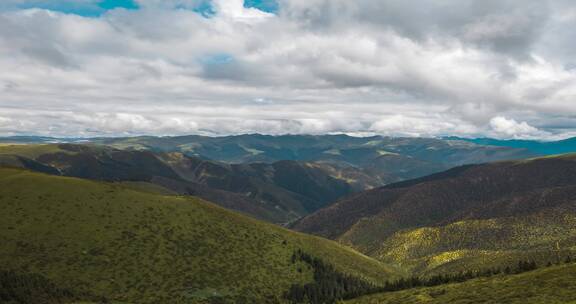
(30,151)
(471,217)
(477,244)
(552,285)
(139,247)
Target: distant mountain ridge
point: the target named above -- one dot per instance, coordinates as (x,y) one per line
(534,146)
(239,148)
(357,151)
(278,192)
(365,161)
(277,178)
(38,140)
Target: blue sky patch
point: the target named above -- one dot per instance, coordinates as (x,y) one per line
(82,9)
(205,8)
(97,8)
(87,9)
(217,59)
(112,4)
(270,6)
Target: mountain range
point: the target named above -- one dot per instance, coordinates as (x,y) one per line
(184,220)
(366,162)
(277,192)
(537,147)
(274,178)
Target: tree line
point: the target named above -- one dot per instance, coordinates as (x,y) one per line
(330,286)
(463,276)
(18,288)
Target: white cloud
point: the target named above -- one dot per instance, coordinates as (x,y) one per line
(235,9)
(416,67)
(5,122)
(510,128)
(131,124)
(422,126)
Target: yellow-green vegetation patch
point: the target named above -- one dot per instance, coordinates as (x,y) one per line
(30,151)
(9,144)
(189,147)
(473,244)
(544,286)
(569,156)
(147,187)
(129,144)
(140,247)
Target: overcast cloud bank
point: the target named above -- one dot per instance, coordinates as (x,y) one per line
(498,68)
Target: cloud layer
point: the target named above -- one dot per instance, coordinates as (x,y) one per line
(502,68)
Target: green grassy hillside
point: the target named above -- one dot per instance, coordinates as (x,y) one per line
(30,151)
(467,218)
(474,244)
(553,285)
(138,247)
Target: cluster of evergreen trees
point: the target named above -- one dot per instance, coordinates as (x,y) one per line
(24,289)
(330,286)
(440,279)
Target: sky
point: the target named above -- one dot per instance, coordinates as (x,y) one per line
(491,68)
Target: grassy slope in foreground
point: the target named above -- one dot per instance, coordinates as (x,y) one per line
(546,286)
(143,248)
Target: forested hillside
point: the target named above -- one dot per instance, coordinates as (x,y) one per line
(465,218)
(96,240)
